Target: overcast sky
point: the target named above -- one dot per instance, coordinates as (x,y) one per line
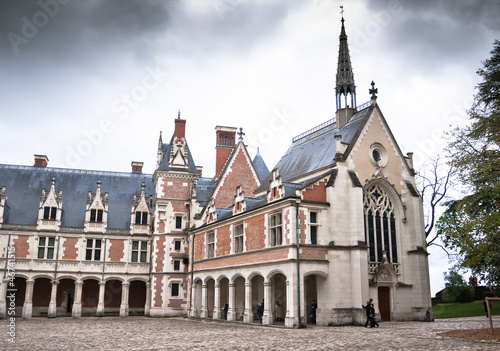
(92,83)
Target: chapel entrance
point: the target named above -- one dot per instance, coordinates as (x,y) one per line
(384,301)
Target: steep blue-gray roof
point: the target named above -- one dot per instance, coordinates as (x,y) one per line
(260,166)
(204,189)
(316,149)
(24,186)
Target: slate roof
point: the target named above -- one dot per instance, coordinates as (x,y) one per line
(24,186)
(260,167)
(316,149)
(164,166)
(204,189)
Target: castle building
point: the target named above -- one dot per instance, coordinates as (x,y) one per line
(338,220)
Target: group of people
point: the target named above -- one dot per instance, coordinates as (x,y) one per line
(370,314)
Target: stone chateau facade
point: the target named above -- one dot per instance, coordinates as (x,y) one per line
(338,220)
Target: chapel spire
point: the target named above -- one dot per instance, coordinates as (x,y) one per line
(345,77)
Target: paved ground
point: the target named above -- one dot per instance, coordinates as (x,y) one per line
(142,333)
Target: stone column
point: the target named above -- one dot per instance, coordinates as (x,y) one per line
(267,318)
(217,307)
(148,299)
(53,300)
(204,309)
(192,312)
(248,316)
(289,322)
(77,304)
(100,304)
(231,313)
(3,298)
(28,299)
(124,304)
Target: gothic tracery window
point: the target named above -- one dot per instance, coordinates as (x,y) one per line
(380,224)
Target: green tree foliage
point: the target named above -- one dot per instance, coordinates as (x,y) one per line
(457,290)
(470,226)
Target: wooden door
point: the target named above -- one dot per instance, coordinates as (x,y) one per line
(384,300)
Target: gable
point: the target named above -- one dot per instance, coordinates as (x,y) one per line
(239,170)
(377,137)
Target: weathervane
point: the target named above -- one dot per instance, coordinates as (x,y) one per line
(342,10)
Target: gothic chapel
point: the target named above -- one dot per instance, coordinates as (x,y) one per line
(338,220)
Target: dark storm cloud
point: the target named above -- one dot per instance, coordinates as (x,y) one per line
(446,31)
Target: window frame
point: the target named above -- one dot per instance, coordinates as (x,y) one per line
(177,242)
(93,249)
(275,230)
(96,215)
(210,245)
(313,227)
(44,247)
(141,217)
(50,213)
(178,264)
(176,285)
(141,251)
(178,222)
(238,238)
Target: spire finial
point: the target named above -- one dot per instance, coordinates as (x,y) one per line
(373,90)
(240,134)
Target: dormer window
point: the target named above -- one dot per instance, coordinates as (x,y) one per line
(50,209)
(49,213)
(141,217)
(96,216)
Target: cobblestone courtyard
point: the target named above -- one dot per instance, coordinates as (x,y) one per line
(142,333)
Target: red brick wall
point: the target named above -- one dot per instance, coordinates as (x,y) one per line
(287,225)
(160,254)
(235,260)
(240,174)
(222,154)
(180,128)
(116,250)
(161,227)
(70,251)
(199,246)
(177,190)
(313,253)
(158,291)
(223,241)
(255,234)
(316,192)
(22,246)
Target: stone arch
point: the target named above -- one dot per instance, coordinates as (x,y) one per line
(90,277)
(208,278)
(42,276)
(221,277)
(273,272)
(236,276)
(316,272)
(115,278)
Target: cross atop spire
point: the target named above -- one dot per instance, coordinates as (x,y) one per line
(240,134)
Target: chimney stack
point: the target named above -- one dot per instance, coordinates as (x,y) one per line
(41,161)
(137,167)
(224,145)
(180,128)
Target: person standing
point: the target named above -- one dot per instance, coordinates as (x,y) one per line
(277,311)
(314,307)
(373,322)
(367,311)
(224,309)
(260,311)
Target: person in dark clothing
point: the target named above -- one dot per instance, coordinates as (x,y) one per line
(367,310)
(224,309)
(260,311)
(373,322)
(314,307)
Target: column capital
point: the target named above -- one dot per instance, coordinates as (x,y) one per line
(125,284)
(267,283)
(78,282)
(54,282)
(102,282)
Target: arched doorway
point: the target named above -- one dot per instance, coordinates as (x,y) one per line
(224,294)
(90,297)
(41,296)
(65,297)
(20,293)
(112,297)
(278,298)
(137,298)
(210,297)
(384,302)
(257,294)
(239,288)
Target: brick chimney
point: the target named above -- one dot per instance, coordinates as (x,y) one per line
(41,161)
(180,128)
(137,167)
(224,145)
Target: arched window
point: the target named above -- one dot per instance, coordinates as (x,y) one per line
(380,224)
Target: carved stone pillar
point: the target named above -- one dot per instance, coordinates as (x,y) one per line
(100,304)
(204,296)
(77,304)
(231,313)
(28,299)
(267,318)
(3,298)
(217,310)
(248,317)
(148,299)
(192,312)
(53,300)
(124,304)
